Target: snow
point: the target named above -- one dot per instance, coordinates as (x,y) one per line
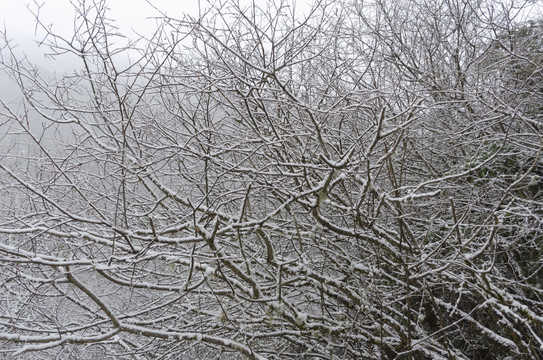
(209,272)
(413,196)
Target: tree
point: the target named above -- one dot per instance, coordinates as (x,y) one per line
(363,181)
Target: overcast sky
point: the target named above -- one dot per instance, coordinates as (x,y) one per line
(129,15)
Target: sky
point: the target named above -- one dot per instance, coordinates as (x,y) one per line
(17,19)
(128,13)
(131,16)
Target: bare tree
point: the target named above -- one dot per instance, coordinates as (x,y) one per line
(360,181)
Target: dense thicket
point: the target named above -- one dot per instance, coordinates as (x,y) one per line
(361,181)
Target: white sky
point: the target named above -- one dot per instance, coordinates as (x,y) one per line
(129,15)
